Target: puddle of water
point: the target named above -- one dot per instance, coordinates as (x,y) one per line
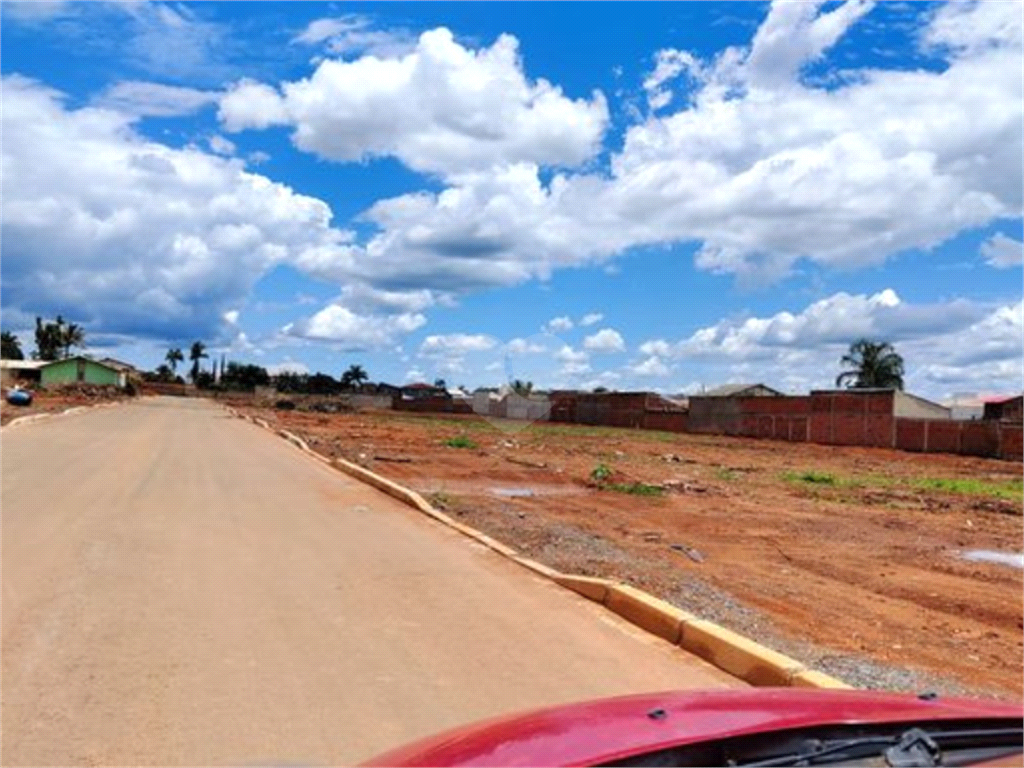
(1012,559)
(512,493)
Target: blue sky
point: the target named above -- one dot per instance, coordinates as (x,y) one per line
(651,196)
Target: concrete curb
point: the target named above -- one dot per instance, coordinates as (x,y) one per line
(738,655)
(54,414)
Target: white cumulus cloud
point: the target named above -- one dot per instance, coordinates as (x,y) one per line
(441,108)
(1002,252)
(591,319)
(606,340)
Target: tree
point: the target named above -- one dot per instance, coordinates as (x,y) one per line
(10,347)
(600,390)
(195,354)
(238,376)
(173,357)
(522,388)
(873,364)
(440,383)
(49,339)
(71,335)
(353,377)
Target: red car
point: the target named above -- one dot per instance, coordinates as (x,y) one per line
(756,727)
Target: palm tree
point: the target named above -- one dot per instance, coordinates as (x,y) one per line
(71,335)
(873,364)
(354,376)
(195,354)
(173,357)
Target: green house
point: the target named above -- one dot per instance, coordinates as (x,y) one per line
(80,369)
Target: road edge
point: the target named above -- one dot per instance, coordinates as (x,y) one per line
(730,651)
(34,417)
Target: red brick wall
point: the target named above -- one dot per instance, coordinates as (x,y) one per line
(667,421)
(910,434)
(1011,441)
(943,436)
(978,439)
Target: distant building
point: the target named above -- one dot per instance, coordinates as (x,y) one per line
(742,390)
(81,369)
(20,371)
(1011,409)
(904,404)
(422,391)
(965,406)
(120,365)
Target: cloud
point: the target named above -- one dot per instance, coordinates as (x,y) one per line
(761,169)
(220,145)
(569,355)
(669,64)
(145,99)
(257,158)
(591,319)
(130,236)
(231,316)
(524,347)
(351,332)
(288,366)
(1002,252)
(837,320)
(354,34)
(457,343)
(955,345)
(415,374)
(606,340)
(652,366)
(37,11)
(441,108)
(363,297)
(558,325)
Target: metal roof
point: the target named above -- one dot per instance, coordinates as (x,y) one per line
(728,390)
(22,365)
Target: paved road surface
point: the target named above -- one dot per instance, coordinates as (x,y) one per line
(183,588)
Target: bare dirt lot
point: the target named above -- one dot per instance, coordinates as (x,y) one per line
(57,400)
(850,559)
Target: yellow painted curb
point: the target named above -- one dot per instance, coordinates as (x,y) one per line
(739,656)
(646,611)
(811,678)
(538,568)
(590,587)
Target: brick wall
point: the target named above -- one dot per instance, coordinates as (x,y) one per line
(992,439)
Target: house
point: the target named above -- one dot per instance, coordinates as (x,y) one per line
(1010,409)
(20,372)
(423,391)
(742,390)
(81,369)
(121,365)
(903,404)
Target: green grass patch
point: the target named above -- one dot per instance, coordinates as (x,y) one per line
(1010,489)
(459,441)
(600,473)
(725,474)
(636,489)
(812,478)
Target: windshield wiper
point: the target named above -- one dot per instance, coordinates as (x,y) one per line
(910,749)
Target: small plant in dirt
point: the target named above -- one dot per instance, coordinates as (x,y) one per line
(601,473)
(440,499)
(725,474)
(636,489)
(814,478)
(460,441)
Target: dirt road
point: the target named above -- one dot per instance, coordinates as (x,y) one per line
(183,588)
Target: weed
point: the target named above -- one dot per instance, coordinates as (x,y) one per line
(601,472)
(725,474)
(460,441)
(815,478)
(440,499)
(1011,489)
(636,489)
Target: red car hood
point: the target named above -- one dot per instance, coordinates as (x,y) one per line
(612,729)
